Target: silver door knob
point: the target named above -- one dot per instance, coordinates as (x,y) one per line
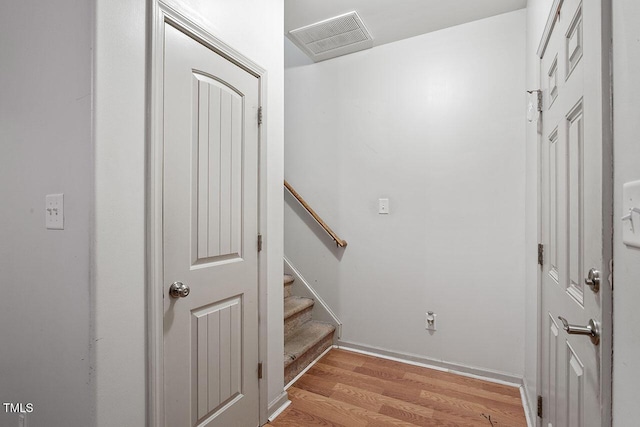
(592,329)
(179,290)
(593,280)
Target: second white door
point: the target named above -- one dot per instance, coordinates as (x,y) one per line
(575,207)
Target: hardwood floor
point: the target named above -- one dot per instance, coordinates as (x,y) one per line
(354,390)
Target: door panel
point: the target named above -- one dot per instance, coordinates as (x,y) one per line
(554,174)
(575,388)
(572,222)
(575,196)
(552,373)
(216,356)
(210,227)
(217,120)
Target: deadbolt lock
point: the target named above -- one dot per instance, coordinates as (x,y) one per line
(593,280)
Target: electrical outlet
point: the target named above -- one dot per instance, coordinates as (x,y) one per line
(430,323)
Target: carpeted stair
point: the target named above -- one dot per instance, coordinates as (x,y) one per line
(304,338)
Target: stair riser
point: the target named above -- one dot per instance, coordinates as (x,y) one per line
(305,359)
(297,320)
(287,290)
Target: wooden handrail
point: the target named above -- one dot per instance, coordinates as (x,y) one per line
(334,236)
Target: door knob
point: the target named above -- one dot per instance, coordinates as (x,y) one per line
(592,329)
(593,280)
(179,290)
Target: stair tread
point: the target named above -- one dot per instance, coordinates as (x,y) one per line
(305,338)
(288,279)
(295,304)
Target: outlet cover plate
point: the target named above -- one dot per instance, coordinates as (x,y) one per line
(430,321)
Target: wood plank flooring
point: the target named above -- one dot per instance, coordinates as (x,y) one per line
(354,390)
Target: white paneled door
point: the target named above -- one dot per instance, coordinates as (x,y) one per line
(210,217)
(575,318)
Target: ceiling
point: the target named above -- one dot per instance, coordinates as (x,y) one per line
(392,20)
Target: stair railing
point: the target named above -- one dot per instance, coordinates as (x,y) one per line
(340,242)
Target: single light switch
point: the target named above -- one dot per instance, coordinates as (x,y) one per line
(383,206)
(631,214)
(54,211)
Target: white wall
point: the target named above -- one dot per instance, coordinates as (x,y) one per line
(254,28)
(537,12)
(45,147)
(436,124)
(626,104)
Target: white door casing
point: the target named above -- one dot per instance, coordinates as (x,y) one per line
(575,153)
(204,199)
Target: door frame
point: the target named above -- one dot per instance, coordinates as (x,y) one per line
(160,14)
(606,341)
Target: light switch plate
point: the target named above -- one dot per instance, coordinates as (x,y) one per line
(631,224)
(383,206)
(54,211)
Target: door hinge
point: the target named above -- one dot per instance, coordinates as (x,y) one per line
(540,406)
(260,370)
(538,93)
(540,254)
(260,115)
(259,242)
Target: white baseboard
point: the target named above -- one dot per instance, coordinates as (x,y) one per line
(525,405)
(454,368)
(278,405)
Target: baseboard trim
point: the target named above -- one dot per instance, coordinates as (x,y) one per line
(526,404)
(454,368)
(278,405)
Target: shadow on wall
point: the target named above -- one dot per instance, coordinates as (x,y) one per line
(313,225)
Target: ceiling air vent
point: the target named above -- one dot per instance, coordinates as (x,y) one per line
(332,37)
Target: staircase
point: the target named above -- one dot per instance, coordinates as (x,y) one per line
(304,338)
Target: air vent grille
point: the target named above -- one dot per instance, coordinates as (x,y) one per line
(333,37)
(326,29)
(337,41)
